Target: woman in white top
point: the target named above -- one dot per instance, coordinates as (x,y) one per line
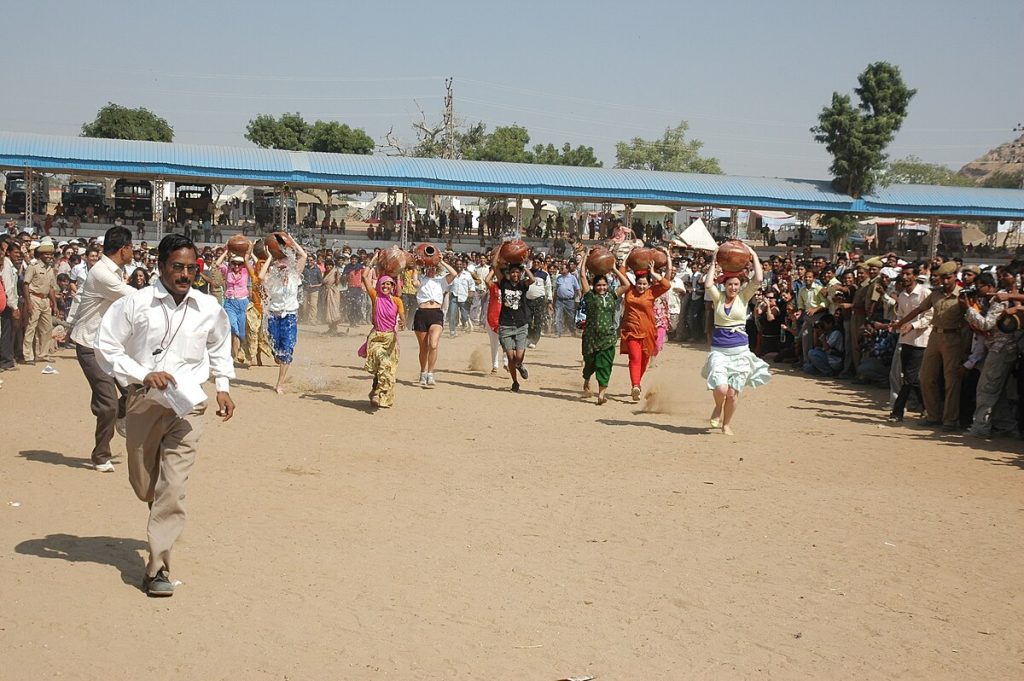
(428,323)
(281,278)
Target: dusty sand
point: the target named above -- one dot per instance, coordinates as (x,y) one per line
(475,534)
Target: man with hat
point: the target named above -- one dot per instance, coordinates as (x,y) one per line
(968,273)
(40,303)
(944,353)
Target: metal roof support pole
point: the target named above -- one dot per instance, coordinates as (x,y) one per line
(405,220)
(283,209)
(629,215)
(519,216)
(29,192)
(933,236)
(158,207)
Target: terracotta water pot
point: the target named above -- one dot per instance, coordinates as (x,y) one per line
(259,249)
(238,245)
(514,252)
(640,259)
(600,261)
(276,242)
(392,261)
(427,254)
(733,256)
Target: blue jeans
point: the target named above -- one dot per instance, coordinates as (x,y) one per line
(457,313)
(565,308)
(823,363)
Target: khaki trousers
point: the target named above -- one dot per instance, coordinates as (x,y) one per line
(942,358)
(311,307)
(38,329)
(106,404)
(161,451)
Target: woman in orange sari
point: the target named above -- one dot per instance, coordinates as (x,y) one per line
(638,334)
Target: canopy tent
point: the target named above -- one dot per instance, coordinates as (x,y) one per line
(644,209)
(696,236)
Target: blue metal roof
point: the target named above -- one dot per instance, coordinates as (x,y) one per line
(309,169)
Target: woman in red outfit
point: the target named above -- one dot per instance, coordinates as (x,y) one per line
(638,333)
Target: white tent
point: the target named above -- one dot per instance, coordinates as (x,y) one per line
(696,236)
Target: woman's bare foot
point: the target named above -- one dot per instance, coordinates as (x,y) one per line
(727,430)
(636,393)
(587,392)
(716,422)
(279,390)
(602,397)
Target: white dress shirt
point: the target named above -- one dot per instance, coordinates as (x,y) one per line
(79,273)
(104,285)
(10,276)
(194,338)
(461,286)
(921,327)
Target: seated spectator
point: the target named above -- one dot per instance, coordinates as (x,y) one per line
(826,357)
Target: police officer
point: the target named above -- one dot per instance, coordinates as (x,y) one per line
(40,304)
(945,350)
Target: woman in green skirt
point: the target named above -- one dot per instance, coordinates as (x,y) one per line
(601,334)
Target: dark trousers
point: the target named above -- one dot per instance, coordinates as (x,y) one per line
(910,361)
(7,324)
(107,402)
(538,308)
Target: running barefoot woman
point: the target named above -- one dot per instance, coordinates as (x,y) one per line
(639,332)
(731,365)
(600,333)
(381,347)
(428,322)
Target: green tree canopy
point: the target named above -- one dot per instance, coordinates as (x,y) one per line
(857,136)
(506,143)
(291,131)
(673,152)
(912,170)
(118,122)
(566,156)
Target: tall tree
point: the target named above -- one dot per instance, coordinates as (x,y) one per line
(338,138)
(857,136)
(290,131)
(566,156)
(506,143)
(912,170)
(839,227)
(118,122)
(673,152)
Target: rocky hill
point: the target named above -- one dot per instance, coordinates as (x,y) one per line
(1006,158)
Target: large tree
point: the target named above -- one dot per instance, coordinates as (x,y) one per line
(673,152)
(118,122)
(566,156)
(857,136)
(912,170)
(291,131)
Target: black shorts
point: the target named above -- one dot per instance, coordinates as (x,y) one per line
(426,318)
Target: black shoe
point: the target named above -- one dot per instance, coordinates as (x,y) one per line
(894,418)
(523,372)
(515,387)
(158,586)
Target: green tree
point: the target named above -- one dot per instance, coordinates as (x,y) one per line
(338,138)
(507,143)
(673,152)
(118,122)
(857,136)
(290,131)
(912,170)
(839,227)
(566,156)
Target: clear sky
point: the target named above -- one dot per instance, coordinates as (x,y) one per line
(750,77)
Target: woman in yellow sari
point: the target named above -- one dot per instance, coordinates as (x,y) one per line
(381,347)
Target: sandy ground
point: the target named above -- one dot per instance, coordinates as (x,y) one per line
(470,533)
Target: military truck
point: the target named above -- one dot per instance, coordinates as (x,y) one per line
(14,194)
(267,209)
(133,199)
(193,202)
(78,196)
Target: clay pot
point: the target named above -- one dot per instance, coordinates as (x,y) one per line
(643,259)
(427,254)
(277,242)
(238,245)
(600,261)
(392,261)
(259,249)
(733,256)
(514,252)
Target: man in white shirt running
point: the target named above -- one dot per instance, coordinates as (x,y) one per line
(104,286)
(163,342)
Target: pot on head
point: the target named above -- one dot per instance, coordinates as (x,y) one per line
(640,259)
(514,252)
(600,261)
(277,242)
(733,256)
(427,254)
(238,245)
(392,261)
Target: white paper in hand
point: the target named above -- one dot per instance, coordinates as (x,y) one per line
(182,398)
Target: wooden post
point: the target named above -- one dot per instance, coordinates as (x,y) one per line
(933,236)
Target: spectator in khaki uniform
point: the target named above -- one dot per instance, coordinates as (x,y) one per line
(40,304)
(945,351)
